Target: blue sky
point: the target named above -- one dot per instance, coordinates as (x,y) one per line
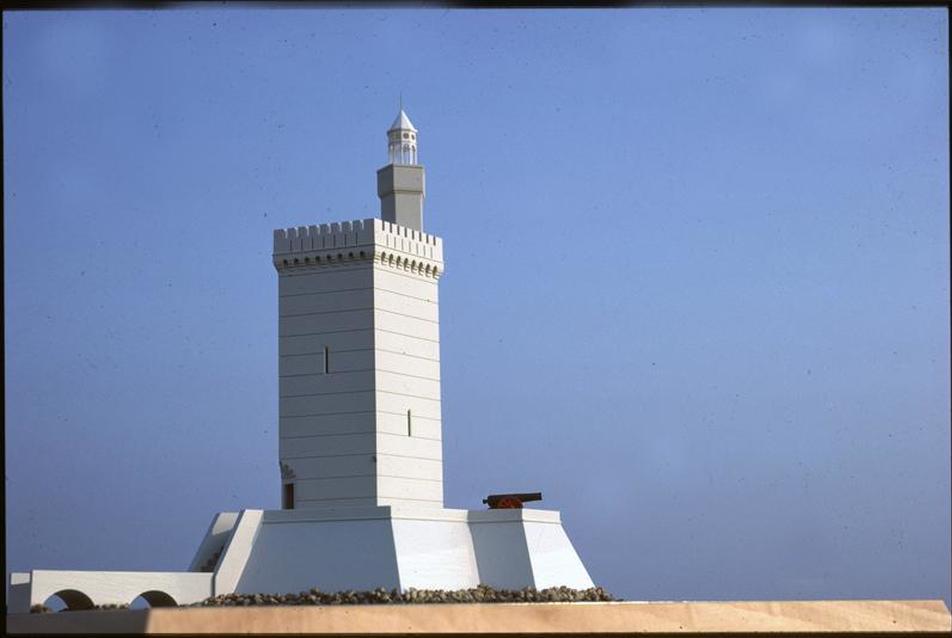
(696,289)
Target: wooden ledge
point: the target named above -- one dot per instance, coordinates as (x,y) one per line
(828,618)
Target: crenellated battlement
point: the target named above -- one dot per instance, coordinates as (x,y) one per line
(334,244)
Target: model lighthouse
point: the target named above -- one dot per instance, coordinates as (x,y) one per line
(360,437)
(359,350)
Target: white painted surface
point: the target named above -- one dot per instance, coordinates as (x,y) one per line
(552,557)
(401,187)
(407,379)
(434,554)
(318,468)
(215,538)
(356,401)
(327,445)
(411,468)
(402,122)
(509,515)
(367,292)
(407,345)
(336,548)
(314,343)
(406,363)
(402,140)
(394,403)
(409,446)
(409,545)
(331,513)
(239,548)
(114,588)
(424,427)
(328,424)
(324,489)
(344,360)
(502,557)
(331,555)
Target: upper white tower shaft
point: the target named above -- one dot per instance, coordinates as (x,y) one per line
(401,183)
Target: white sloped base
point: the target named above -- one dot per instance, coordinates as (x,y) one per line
(330,555)
(404,546)
(334,549)
(554,561)
(434,554)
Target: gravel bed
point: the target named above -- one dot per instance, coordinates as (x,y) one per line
(380,596)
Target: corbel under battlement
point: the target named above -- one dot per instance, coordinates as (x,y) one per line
(336,244)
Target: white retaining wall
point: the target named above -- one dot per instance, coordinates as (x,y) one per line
(110,588)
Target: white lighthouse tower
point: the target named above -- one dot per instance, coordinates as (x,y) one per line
(359,349)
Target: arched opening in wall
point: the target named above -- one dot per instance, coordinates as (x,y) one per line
(68,600)
(152,598)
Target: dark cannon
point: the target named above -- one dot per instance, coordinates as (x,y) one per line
(510,501)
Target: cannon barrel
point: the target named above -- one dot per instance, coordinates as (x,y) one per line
(511,501)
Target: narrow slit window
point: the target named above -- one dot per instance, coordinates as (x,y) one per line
(409,424)
(288,496)
(327,360)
